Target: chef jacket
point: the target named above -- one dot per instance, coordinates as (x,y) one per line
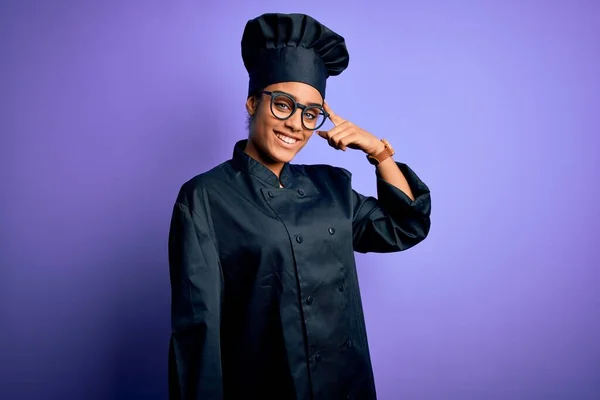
(265,293)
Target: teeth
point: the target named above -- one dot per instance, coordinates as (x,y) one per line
(286,139)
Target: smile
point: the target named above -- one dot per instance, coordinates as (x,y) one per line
(286,139)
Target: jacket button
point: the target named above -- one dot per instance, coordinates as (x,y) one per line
(301,192)
(331,230)
(341,287)
(271,195)
(309,300)
(317,358)
(299,239)
(348,343)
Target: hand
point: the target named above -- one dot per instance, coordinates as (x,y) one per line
(347,135)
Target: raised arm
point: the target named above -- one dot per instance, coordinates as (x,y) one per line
(392,221)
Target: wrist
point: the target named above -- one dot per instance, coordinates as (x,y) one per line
(377,148)
(382,152)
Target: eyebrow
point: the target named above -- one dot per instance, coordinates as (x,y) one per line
(296,99)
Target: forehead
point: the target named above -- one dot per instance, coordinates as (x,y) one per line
(302,92)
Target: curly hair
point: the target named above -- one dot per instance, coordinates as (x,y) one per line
(250,118)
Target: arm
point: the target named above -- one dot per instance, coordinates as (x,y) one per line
(399,217)
(196,287)
(393,221)
(392,174)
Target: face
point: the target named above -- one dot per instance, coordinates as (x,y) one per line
(272,140)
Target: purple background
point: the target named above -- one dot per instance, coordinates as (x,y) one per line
(108,107)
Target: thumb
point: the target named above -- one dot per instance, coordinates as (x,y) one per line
(323,134)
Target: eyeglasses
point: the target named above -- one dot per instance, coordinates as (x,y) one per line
(283,106)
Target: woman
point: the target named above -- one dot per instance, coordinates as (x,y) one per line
(265,295)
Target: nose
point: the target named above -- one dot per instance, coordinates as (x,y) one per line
(295,121)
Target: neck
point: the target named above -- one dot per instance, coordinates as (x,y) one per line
(262,158)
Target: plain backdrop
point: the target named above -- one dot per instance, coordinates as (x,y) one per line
(107,107)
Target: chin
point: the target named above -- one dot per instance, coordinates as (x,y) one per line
(283,156)
(272,153)
(280,154)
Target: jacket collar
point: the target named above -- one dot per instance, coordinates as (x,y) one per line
(246,163)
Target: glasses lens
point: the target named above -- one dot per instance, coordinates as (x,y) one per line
(282,106)
(313,117)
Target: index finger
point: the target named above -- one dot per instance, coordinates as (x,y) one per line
(336,119)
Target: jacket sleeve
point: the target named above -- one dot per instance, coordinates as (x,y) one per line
(196,287)
(391,222)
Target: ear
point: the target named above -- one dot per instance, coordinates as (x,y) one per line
(251,105)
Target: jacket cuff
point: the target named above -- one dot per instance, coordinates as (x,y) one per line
(393,199)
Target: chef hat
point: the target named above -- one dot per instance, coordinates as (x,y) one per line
(291,48)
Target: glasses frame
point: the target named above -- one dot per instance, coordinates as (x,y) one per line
(296,107)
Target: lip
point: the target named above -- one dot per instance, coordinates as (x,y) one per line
(287,145)
(288,135)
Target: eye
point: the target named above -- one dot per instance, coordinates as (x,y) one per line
(282,105)
(310,115)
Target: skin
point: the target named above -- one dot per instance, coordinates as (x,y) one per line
(263,144)
(265,147)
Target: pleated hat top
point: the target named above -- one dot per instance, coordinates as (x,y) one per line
(291,48)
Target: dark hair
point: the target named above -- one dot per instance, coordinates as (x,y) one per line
(250,118)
